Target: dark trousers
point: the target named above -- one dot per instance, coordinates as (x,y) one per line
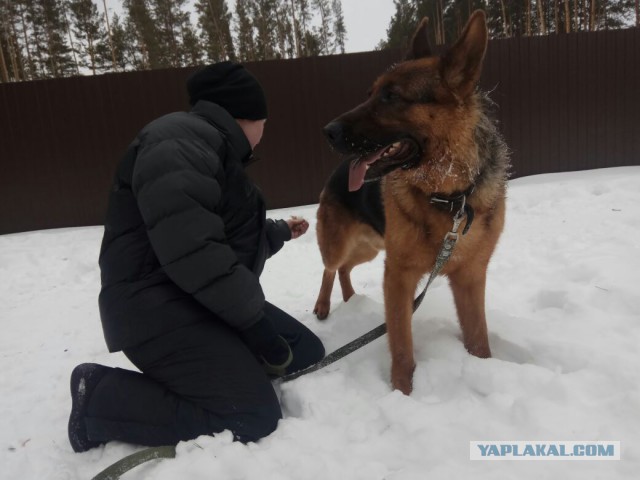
(199,379)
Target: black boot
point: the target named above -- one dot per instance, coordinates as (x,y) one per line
(84,379)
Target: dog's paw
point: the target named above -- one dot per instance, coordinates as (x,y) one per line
(322,310)
(404,385)
(402,378)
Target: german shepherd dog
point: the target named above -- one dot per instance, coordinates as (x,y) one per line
(420,149)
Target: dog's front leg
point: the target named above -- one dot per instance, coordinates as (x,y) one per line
(468,287)
(399,287)
(323,303)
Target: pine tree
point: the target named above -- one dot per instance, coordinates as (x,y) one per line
(4,42)
(264,14)
(495,19)
(35,32)
(67,26)
(191,49)
(286,43)
(542,21)
(25,40)
(53,51)
(311,45)
(245,31)
(301,16)
(401,26)
(613,14)
(112,52)
(4,71)
(122,55)
(324,31)
(453,17)
(339,29)
(171,19)
(506,19)
(90,35)
(142,31)
(214,20)
(11,61)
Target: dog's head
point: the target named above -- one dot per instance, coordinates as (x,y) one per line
(418,111)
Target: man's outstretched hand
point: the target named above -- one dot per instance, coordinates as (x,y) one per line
(298,226)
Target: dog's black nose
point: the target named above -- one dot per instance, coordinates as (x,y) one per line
(334,132)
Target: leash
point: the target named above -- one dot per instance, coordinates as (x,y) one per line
(450,240)
(121,467)
(339,353)
(448,244)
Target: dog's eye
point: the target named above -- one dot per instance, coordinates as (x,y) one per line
(387,95)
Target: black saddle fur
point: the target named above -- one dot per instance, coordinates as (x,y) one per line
(365,204)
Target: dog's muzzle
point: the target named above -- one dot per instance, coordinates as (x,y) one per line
(334,131)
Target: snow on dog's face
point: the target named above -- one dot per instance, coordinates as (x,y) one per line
(419,114)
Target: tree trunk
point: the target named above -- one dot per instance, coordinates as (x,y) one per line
(26,46)
(4,72)
(556,15)
(296,37)
(92,55)
(436,31)
(443,34)
(214,19)
(174,43)
(567,17)
(113,52)
(543,23)
(52,63)
(10,50)
(528,19)
(15,58)
(73,50)
(505,24)
(592,16)
(586,15)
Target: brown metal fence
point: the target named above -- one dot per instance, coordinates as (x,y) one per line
(566,102)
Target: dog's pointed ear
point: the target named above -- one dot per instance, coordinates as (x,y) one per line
(420,47)
(462,64)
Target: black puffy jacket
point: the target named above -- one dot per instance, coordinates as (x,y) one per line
(185,228)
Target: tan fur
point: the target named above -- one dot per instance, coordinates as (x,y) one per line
(344,244)
(415,228)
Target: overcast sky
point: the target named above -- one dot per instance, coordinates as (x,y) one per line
(366,21)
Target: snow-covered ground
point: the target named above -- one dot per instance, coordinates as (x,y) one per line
(563,306)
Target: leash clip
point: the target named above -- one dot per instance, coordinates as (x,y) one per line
(440,200)
(449,242)
(459,216)
(466,211)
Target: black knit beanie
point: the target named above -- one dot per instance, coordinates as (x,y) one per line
(232,87)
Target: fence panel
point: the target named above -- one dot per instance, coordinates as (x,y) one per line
(566,102)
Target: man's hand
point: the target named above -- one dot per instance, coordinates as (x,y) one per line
(272,349)
(298,226)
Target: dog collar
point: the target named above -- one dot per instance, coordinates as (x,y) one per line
(456,202)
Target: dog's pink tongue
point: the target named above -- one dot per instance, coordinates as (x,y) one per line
(356,175)
(358,169)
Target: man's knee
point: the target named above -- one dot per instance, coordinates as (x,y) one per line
(316,349)
(306,352)
(252,426)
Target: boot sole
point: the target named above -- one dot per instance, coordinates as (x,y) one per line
(83,378)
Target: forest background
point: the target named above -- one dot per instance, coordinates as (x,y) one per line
(62,38)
